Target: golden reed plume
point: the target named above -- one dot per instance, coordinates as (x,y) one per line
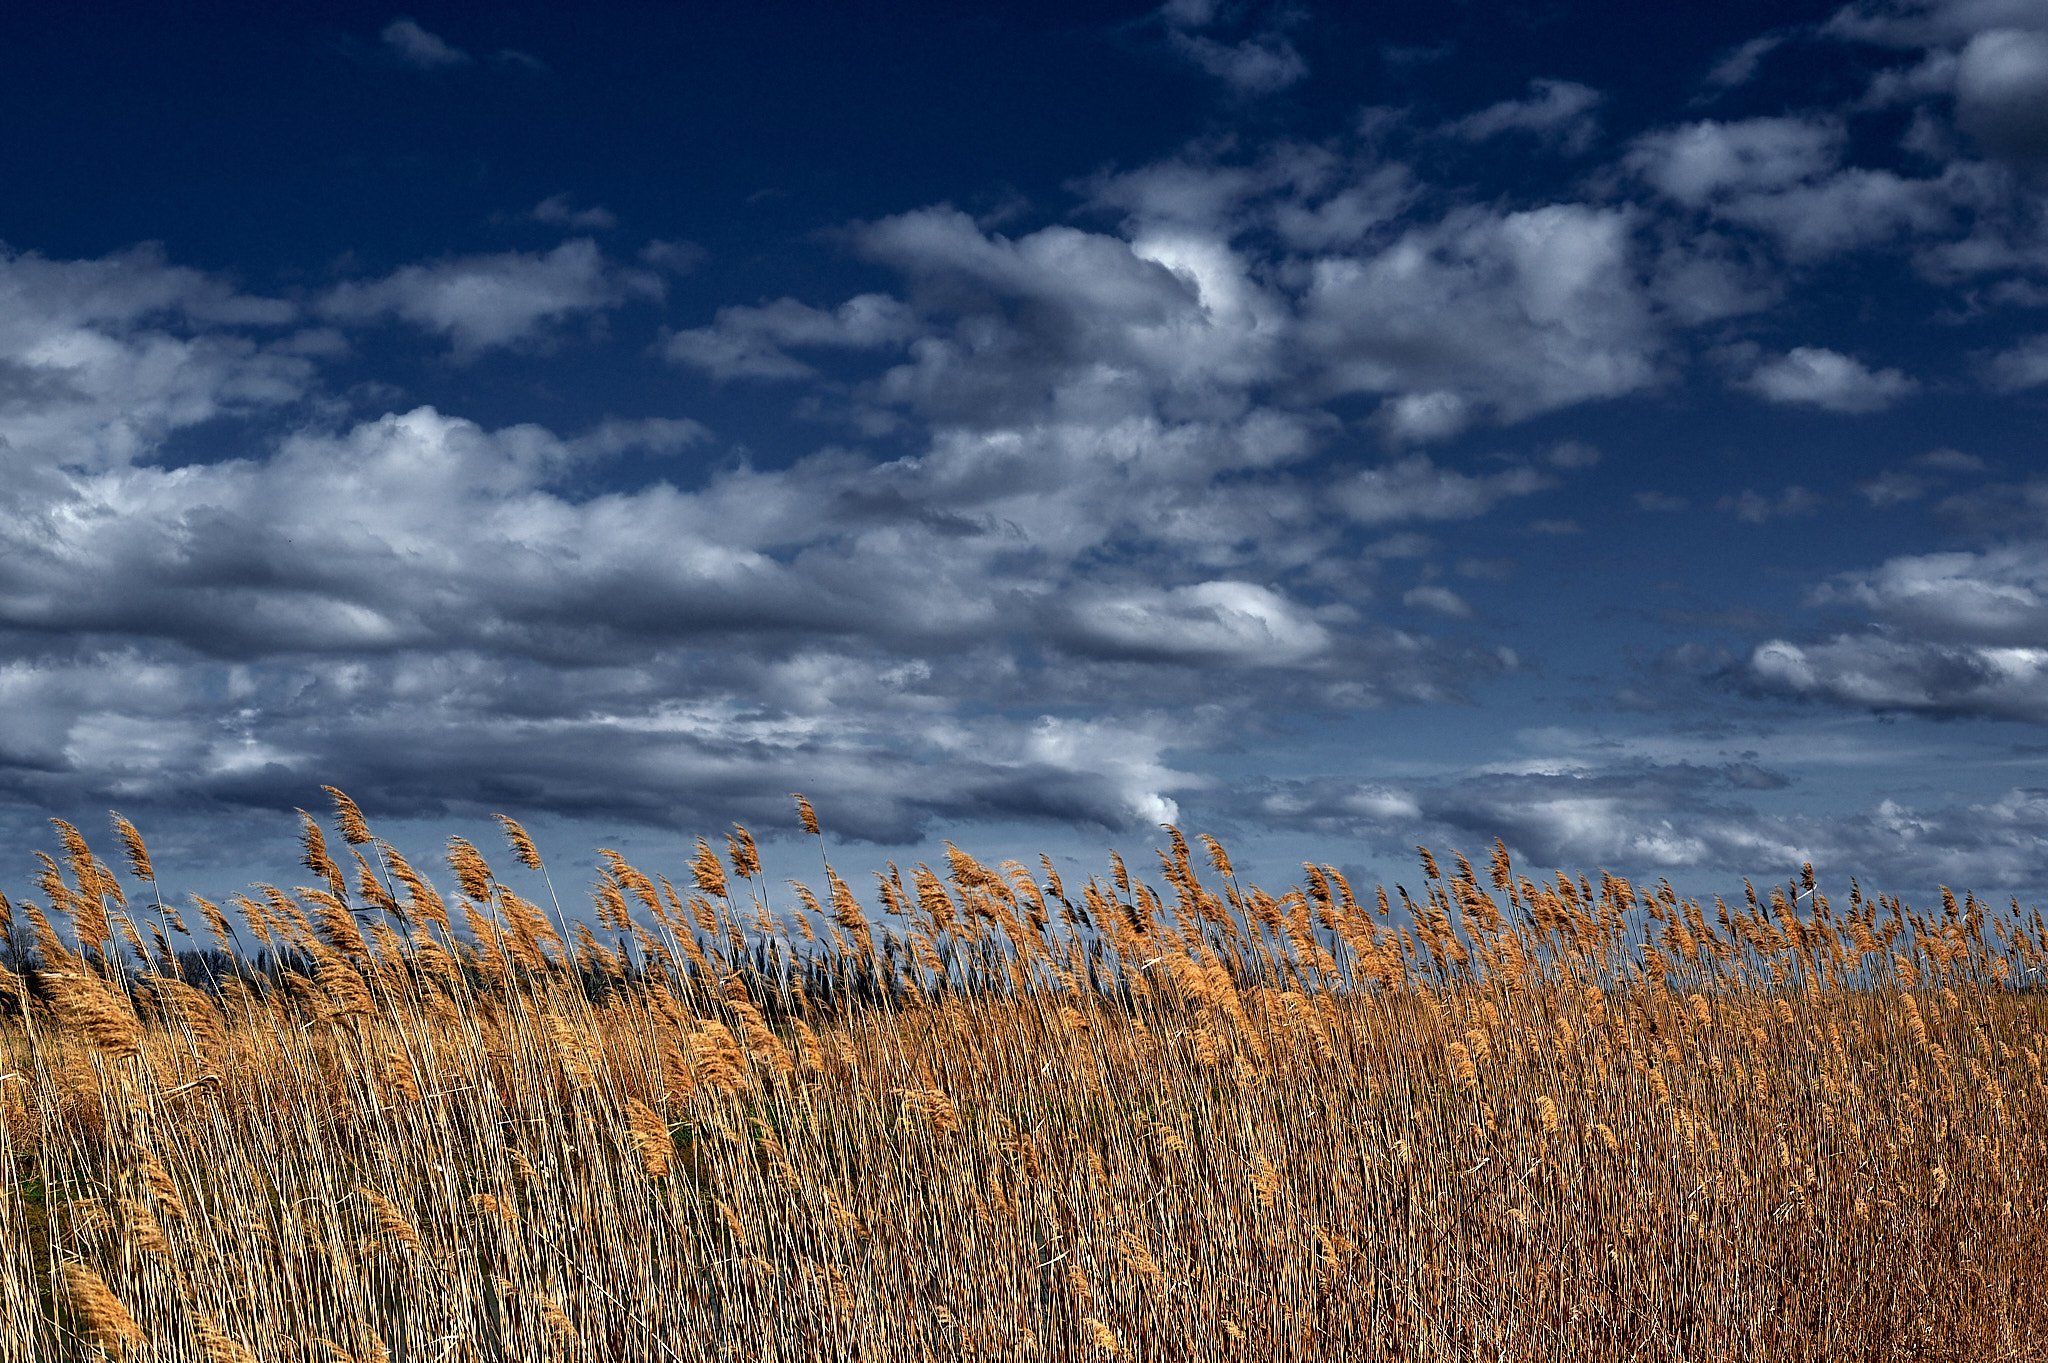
(405,1112)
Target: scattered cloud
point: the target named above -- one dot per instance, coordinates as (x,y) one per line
(557,210)
(1758,508)
(2021,366)
(1101,492)
(1888,675)
(486,302)
(1710,160)
(1687,819)
(1262,63)
(419,49)
(1440,599)
(1739,65)
(1212,622)
(102,360)
(755,342)
(1415,489)
(1487,315)
(1813,376)
(1557,112)
(2002,92)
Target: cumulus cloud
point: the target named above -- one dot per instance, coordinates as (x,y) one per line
(1152,460)
(1468,317)
(1655,815)
(1994,597)
(1990,55)
(2002,92)
(418,604)
(100,360)
(415,608)
(1929,23)
(1813,376)
(1502,314)
(486,302)
(1700,162)
(1951,634)
(463,733)
(1782,176)
(1889,675)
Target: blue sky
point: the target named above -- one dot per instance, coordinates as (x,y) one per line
(1611,428)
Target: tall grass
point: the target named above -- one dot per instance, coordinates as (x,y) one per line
(991,1115)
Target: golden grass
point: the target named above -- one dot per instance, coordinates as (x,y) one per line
(988,1117)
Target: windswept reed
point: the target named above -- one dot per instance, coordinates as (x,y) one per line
(400,1116)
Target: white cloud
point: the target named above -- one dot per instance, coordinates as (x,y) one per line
(1993,597)
(1782,176)
(1813,376)
(420,49)
(2002,92)
(1501,314)
(102,359)
(1874,672)
(1442,600)
(1856,209)
(1703,161)
(1222,621)
(489,301)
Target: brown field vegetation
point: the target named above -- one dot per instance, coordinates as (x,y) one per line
(992,1115)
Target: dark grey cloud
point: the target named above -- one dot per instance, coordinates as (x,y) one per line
(1955,634)
(1889,675)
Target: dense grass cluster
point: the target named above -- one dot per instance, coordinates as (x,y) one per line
(993,1115)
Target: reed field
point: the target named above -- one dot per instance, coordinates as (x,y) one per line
(441,1115)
